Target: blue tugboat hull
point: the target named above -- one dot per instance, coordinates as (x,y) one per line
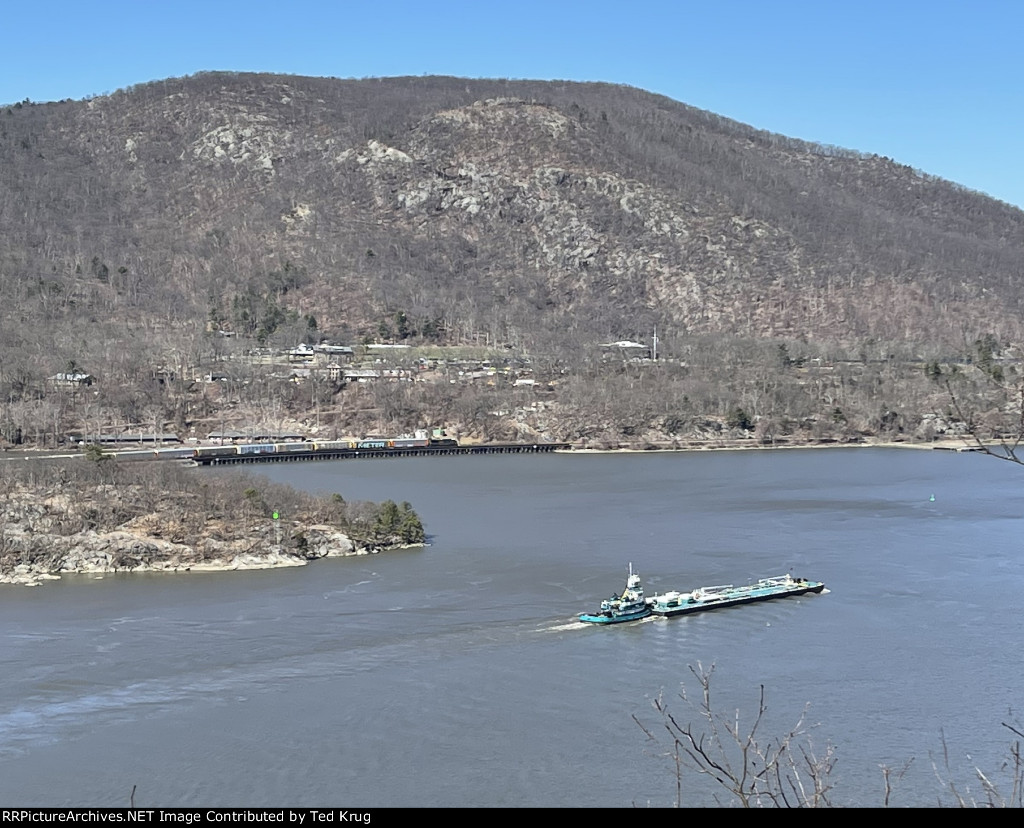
(614,619)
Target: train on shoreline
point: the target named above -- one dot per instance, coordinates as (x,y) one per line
(313,447)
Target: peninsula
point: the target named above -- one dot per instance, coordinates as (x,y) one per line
(99,517)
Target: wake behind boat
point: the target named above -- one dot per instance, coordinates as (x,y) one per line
(631,605)
(706,598)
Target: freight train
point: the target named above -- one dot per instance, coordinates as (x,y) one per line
(321,446)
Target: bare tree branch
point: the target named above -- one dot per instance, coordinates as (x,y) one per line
(751,770)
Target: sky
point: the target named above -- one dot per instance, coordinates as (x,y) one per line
(938,85)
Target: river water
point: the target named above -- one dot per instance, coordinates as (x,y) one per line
(456,675)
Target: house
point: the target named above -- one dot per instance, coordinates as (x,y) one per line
(303,353)
(361,375)
(71,380)
(335,352)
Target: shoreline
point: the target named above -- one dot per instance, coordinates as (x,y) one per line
(37,557)
(949,444)
(28,575)
(956,444)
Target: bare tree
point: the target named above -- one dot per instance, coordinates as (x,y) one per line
(992,793)
(999,431)
(751,769)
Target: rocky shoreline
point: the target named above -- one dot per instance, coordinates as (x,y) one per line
(33,559)
(94,517)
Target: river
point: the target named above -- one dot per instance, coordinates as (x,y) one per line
(456,674)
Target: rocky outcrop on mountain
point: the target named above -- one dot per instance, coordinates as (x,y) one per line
(477,206)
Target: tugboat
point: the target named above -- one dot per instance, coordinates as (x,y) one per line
(630,606)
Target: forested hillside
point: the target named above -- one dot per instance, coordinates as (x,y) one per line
(191,228)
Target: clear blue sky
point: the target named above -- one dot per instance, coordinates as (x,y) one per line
(936,85)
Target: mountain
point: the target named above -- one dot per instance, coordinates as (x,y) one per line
(545,216)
